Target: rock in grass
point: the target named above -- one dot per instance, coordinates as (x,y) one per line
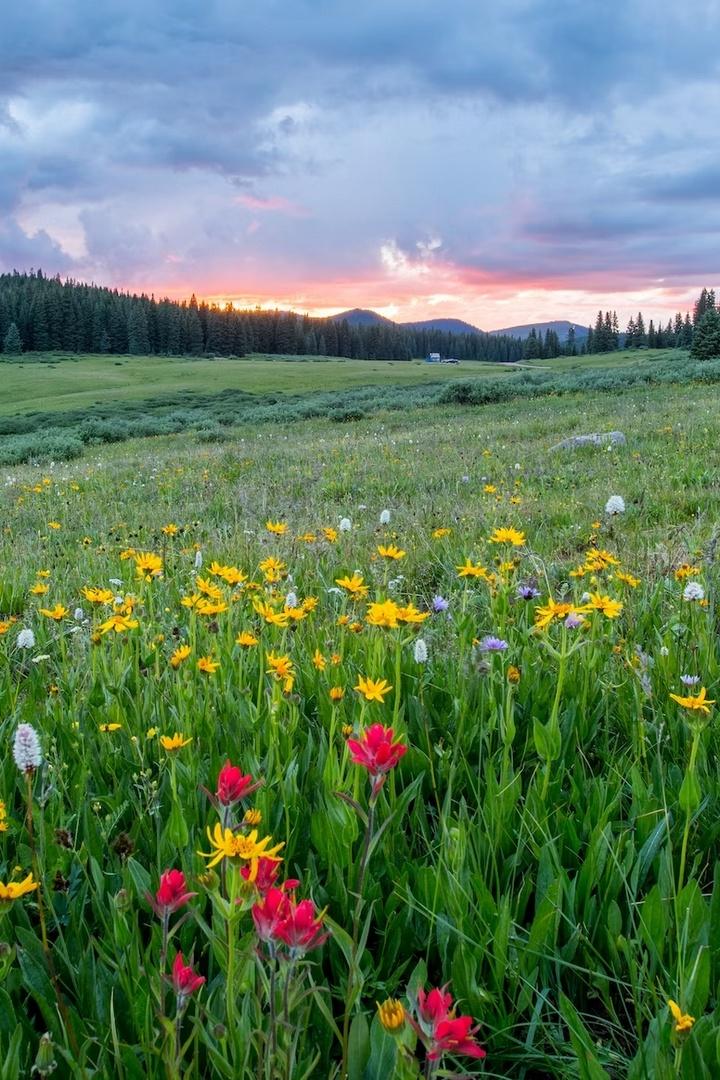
(614,438)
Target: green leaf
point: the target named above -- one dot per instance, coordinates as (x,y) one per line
(589,1067)
(358,1047)
(383,1054)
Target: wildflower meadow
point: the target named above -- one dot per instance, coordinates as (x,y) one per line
(377,750)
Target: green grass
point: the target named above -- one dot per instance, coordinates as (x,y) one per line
(549,846)
(85,381)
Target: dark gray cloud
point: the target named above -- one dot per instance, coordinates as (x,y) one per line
(544,139)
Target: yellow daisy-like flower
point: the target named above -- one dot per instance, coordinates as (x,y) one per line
(181,653)
(354,585)
(383,613)
(330,534)
(226,844)
(246,639)
(279,528)
(410,614)
(627,579)
(57,613)
(54,525)
(336,693)
(174,742)
(170,530)
(15,889)
(119,624)
(207,665)
(391,551)
(39,589)
(252,817)
(281,667)
(319,661)
(210,607)
(683,1021)
(373,690)
(554,611)
(3,817)
(696,703)
(110,727)
(438,534)
(96,595)
(148,564)
(490,489)
(605,605)
(471,569)
(508,536)
(686,571)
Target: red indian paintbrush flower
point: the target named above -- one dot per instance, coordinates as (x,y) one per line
(185,981)
(232,785)
(280,919)
(376,752)
(447,1033)
(267,874)
(171,894)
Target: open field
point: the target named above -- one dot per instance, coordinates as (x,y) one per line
(546,844)
(81,382)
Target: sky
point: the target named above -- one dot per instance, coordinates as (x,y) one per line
(501,163)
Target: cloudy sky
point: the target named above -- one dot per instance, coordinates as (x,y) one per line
(500,162)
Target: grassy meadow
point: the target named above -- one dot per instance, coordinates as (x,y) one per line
(514,881)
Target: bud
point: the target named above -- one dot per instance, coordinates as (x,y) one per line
(391,1014)
(26,748)
(513,675)
(45,1062)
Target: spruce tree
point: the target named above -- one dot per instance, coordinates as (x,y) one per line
(706,338)
(12,345)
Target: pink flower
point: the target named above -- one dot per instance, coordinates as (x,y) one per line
(185,981)
(280,919)
(232,785)
(267,874)
(376,752)
(433,1007)
(171,894)
(447,1033)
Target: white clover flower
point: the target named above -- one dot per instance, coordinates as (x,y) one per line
(615,505)
(198,559)
(385,517)
(26,748)
(345,524)
(26,639)
(693,591)
(420,651)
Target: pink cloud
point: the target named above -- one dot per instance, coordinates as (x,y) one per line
(274,204)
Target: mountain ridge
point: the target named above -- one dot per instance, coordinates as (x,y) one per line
(368,317)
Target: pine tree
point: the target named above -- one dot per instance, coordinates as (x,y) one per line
(706,337)
(12,345)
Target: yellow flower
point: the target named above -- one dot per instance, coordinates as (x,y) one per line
(174,742)
(599,559)
(628,579)
(252,817)
(57,613)
(281,668)
(207,665)
(686,571)
(5,625)
(110,727)
(683,1022)
(373,690)
(391,551)
(697,703)
(54,525)
(170,530)
(151,733)
(118,623)
(228,845)
(277,527)
(471,569)
(15,889)
(275,618)
(554,611)
(508,536)
(210,607)
(605,605)
(437,534)
(383,613)
(307,538)
(319,661)
(513,674)
(3,817)
(391,1014)
(43,573)
(336,693)
(148,564)
(330,534)
(246,639)
(39,589)
(489,489)
(97,595)
(354,585)
(410,614)
(181,653)
(208,588)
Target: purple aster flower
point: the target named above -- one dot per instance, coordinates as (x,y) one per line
(689,680)
(527,592)
(439,603)
(492,644)
(573,621)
